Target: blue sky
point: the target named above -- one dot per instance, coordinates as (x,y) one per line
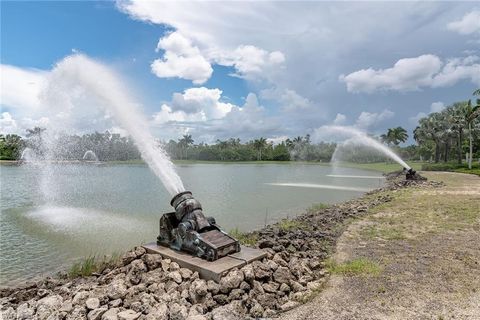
(272,69)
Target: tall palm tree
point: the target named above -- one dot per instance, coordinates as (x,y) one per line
(185,142)
(455,120)
(398,135)
(259,145)
(427,131)
(472,113)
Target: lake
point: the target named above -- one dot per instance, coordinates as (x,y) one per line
(50,217)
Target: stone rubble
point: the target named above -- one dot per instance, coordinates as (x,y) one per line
(146,287)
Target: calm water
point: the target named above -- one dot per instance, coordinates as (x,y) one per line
(50,217)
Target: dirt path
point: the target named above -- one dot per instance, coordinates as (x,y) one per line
(417,257)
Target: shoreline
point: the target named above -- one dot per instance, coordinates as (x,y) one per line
(293,272)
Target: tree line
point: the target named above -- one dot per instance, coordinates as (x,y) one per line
(452,133)
(441,136)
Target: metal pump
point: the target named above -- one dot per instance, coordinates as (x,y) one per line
(410,174)
(187,229)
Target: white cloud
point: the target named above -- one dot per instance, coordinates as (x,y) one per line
(414,73)
(434,107)
(470,23)
(200,111)
(437,106)
(7,123)
(19,126)
(414,120)
(181,59)
(339,119)
(249,61)
(458,69)
(368,119)
(193,105)
(289,100)
(407,74)
(20,88)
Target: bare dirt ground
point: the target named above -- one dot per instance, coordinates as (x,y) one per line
(416,257)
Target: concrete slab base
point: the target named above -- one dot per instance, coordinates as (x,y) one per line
(208,270)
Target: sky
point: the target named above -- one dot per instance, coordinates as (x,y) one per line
(217,70)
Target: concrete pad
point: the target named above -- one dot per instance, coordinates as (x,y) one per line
(208,270)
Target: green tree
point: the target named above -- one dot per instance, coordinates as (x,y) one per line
(259,145)
(11,146)
(472,112)
(395,136)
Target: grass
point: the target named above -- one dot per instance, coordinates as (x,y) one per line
(314,208)
(386,233)
(245,238)
(288,225)
(452,166)
(355,267)
(93,264)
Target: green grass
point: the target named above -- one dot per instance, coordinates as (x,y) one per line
(288,225)
(245,238)
(355,267)
(452,166)
(314,208)
(93,264)
(470,171)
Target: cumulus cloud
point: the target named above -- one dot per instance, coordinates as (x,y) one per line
(288,99)
(200,111)
(434,107)
(339,119)
(19,126)
(470,23)
(21,87)
(368,119)
(414,73)
(193,105)
(249,61)
(181,59)
(437,106)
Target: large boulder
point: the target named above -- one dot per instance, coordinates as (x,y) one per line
(153,261)
(136,269)
(282,275)
(231,281)
(116,290)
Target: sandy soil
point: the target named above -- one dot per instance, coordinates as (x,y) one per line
(426,244)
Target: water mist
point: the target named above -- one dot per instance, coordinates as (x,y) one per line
(79,75)
(357,137)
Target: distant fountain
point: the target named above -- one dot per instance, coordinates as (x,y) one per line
(79,74)
(357,137)
(90,156)
(28,155)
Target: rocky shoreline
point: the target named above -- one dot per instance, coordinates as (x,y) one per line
(146,287)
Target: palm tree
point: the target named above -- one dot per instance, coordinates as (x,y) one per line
(395,136)
(259,145)
(185,142)
(427,131)
(472,113)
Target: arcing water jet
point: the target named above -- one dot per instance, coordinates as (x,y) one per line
(78,73)
(360,138)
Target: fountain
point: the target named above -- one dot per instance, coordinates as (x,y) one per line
(186,229)
(358,137)
(27,155)
(90,156)
(78,73)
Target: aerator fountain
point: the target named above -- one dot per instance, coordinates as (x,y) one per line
(187,229)
(411,174)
